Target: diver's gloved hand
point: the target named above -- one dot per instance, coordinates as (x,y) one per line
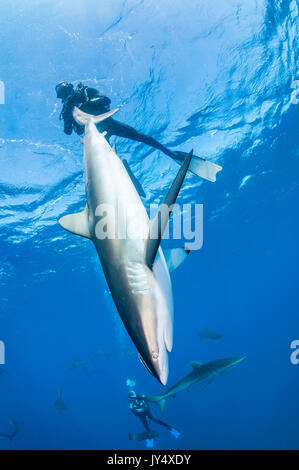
(175,433)
(150,443)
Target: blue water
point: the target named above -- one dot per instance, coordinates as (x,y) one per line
(213,76)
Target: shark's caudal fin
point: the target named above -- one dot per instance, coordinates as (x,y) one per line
(175,257)
(158,400)
(76,223)
(159,223)
(83,118)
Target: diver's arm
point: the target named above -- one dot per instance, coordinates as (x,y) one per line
(68,126)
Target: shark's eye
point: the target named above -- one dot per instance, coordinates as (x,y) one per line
(155,356)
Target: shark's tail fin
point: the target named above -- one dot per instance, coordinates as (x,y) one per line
(83,118)
(158,399)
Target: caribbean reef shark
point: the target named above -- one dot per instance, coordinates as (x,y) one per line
(135,267)
(200,373)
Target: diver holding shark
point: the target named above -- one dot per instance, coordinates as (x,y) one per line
(91,101)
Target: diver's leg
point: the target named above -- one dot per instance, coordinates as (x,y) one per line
(119,129)
(158,421)
(143,419)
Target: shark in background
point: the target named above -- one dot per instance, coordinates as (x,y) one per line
(200,373)
(15,429)
(59,405)
(135,267)
(208,334)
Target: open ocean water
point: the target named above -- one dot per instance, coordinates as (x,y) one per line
(218,77)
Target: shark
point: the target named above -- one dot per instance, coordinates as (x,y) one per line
(59,404)
(208,334)
(15,429)
(135,267)
(200,373)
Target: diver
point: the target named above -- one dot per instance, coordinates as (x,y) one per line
(93,102)
(141,409)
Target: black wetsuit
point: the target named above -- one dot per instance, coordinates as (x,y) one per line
(141,409)
(91,101)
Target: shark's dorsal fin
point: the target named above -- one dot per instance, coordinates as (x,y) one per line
(77,223)
(175,257)
(159,223)
(195,364)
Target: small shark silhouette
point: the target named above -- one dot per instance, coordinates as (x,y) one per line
(15,429)
(59,404)
(208,334)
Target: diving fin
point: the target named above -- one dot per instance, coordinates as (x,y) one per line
(175,257)
(159,223)
(77,223)
(134,180)
(199,166)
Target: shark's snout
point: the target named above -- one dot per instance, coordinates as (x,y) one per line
(157,364)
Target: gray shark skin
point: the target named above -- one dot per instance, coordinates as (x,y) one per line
(200,373)
(135,270)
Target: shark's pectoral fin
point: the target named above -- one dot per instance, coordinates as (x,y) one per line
(134,180)
(195,364)
(175,257)
(161,405)
(159,223)
(208,383)
(77,223)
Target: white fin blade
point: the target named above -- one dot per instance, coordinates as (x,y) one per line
(175,257)
(205,169)
(83,118)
